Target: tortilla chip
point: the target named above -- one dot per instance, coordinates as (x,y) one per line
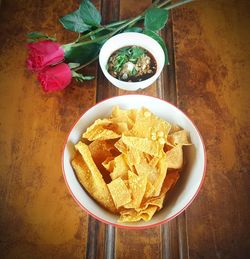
(134,157)
(155,201)
(162,171)
(175,157)
(131,215)
(154,161)
(119,192)
(174,128)
(149,190)
(179,138)
(146,169)
(137,186)
(125,116)
(102,129)
(100,150)
(121,146)
(147,123)
(148,213)
(120,168)
(143,144)
(108,164)
(93,182)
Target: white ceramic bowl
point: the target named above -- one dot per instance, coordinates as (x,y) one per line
(129,39)
(187,186)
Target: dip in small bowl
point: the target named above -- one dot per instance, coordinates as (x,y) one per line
(131,60)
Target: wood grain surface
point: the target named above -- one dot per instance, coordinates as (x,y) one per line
(212,48)
(209,47)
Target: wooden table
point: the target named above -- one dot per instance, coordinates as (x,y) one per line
(208,78)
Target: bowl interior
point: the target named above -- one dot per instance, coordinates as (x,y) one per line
(191,177)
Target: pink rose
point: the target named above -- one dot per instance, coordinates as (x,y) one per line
(55,78)
(44,53)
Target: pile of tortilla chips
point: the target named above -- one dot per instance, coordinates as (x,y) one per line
(129,161)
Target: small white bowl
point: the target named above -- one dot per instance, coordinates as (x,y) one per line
(130,39)
(187,186)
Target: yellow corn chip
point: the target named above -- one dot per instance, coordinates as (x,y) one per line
(175,157)
(137,186)
(174,128)
(179,138)
(162,171)
(154,161)
(125,116)
(131,215)
(93,183)
(119,192)
(100,150)
(155,201)
(146,169)
(133,157)
(147,124)
(121,146)
(149,190)
(109,164)
(101,129)
(148,213)
(143,144)
(120,168)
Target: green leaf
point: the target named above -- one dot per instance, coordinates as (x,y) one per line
(137,52)
(155,19)
(159,39)
(79,77)
(89,13)
(133,29)
(74,22)
(83,52)
(35,35)
(74,65)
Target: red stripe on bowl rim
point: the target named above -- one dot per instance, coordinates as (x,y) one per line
(127,226)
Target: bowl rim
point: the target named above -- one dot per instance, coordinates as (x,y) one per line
(118,225)
(132,86)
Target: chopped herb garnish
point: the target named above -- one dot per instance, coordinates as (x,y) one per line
(131,64)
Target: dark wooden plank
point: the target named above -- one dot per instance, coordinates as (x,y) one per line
(174,236)
(137,243)
(212,61)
